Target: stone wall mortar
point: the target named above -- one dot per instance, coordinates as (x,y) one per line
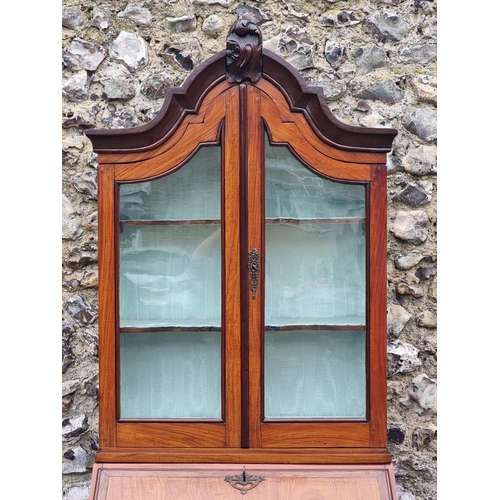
(376,62)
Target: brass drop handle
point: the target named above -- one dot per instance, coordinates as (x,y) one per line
(253,269)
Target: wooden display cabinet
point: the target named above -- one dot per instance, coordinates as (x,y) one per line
(242,288)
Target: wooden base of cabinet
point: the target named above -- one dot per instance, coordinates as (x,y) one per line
(342,456)
(230,481)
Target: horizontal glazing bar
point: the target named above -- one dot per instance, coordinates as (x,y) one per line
(284,328)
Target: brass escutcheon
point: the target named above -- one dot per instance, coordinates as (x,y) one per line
(244,482)
(253,268)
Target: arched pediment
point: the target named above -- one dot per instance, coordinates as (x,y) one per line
(217,73)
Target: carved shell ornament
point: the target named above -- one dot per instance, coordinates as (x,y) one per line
(244,52)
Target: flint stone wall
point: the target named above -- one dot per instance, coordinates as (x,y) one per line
(376,62)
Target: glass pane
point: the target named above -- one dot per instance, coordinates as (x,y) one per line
(170,375)
(315,374)
(315,271)
(190,193)
(170,277)
(293,191)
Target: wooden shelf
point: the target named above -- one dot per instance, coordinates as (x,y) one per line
(163,222)
(323,220)
(280,220)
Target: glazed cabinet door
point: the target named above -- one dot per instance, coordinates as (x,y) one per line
(176,351)
(308,292)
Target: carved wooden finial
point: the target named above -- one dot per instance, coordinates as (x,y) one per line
(244,52)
